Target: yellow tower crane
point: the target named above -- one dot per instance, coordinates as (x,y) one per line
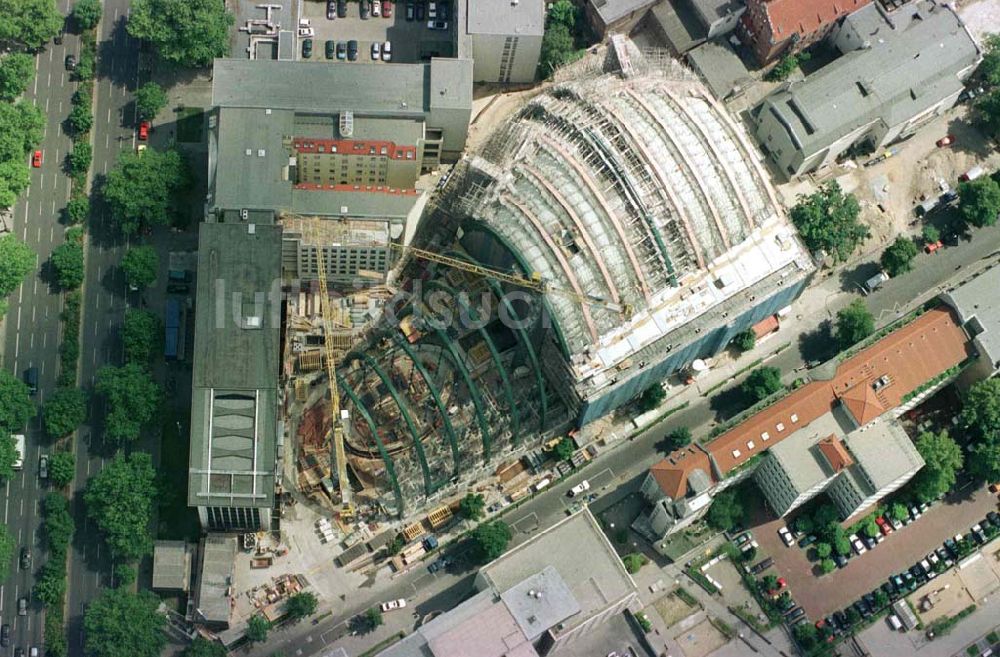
(534,282)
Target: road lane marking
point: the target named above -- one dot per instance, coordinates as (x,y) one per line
(46,105)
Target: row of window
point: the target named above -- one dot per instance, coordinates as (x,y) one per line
(226,518)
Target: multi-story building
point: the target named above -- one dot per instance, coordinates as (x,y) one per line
(234,400)
(506,38)
(977,305)
(616,16)
(774,28)
(898,72)
(560,594)
(306,139)
(835,434)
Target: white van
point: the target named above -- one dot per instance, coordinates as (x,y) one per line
(894,623)
(542,484)
(19,448)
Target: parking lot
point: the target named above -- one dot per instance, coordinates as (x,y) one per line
(412,41)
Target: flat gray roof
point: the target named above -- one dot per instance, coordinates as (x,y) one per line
(539,602)
(978,306)
(713,10)
(800,458)
(171,565)
(236,363)
(218,560)
(905,71)
(252,180)
(884,451)
(612,10)
(501,17)
(720,67)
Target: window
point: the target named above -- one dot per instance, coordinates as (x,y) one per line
(736,453)
(750,444)
(765,436)
(795,418)
(780,427)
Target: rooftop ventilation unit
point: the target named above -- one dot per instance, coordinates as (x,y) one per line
(347,123)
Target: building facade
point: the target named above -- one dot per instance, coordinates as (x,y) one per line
(775,28)
(506,39)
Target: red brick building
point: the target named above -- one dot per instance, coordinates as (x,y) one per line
(773,28)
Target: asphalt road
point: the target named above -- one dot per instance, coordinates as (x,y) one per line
(618,472)
(104,301)
(31,331)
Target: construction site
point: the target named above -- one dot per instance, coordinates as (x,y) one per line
(617,228)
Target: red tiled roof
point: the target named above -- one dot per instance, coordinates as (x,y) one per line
(765,326)
(368,147)
(802,17)
(672,472)
(863,403)
(835,453)
(910,356)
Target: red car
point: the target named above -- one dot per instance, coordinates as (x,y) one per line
(883,526)
(36,159)
(387,8)
(947,140)
(931,247)
(144,130)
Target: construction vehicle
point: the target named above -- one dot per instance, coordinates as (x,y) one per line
(533,282)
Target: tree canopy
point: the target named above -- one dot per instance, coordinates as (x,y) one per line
(854,324)
(141,335)
(119,500)
(62,465)
(726,511)
(942,459)
(745,340)
(16,407)
(472,506)
(558,49)
(651,397)
(21,127)
(979,201)
(202,647)
(565,448)
(761,383)
(16,260)
(898,257)
(981,420)
(7,542)
(87,13)
(676,439)
(29,23)
(58,526)
(301,605)
(17,70)
(64,411)
(132,398)
(67,261)
(257,629)
(120,622)
(828,220)
(987,109)
(150,98)
(188,33)
(489,541)
(141,190)
(140,265)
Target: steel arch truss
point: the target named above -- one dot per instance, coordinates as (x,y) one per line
(418,448)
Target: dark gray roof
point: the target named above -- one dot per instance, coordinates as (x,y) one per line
(502,17)
(904,72)
(720,67)
(236,363)
(612,10)
(254,179)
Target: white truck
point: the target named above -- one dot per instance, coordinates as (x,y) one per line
(19,449)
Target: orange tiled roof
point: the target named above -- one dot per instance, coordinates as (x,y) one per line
(863,403)
(765,326)
(672,472)
(909,357)
(835,453)
(788,17)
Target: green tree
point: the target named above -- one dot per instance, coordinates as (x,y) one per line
(633,562)
(7,542)
(257,629)
(881,599)
(745,340)
(301,605)
(120,500)
(489,541)
(120,622)
(78,209)
(373,618)
(841,545)
(828,221)
(827,566)
(898,512)
(58,525)
(989,68)
(87,13)
(80,157)
(785,67)
(678,438)
(132,399)
(190,33)
(64,411)
(870,527)
(564,12)
(987,113)
(854,324)
(86,67)
(942,459)
(853,615)
(984,460)
(898,257)
(564,449)
(150,98)
(29,23)
(17,70)
(141,335)
(81,120)
(472,506)
(140,265)
(761,383)
(558,49)
(981,411)
(979,201)
(62,465)
(141,190)
(21,127)
(202,647)
(806,635)
(124,575)
(67,260)
(726,511)
(930,234)
(16,260)
(50,586)
(823,550)
(651,397)
(768,583)
(16,407)
(14,179)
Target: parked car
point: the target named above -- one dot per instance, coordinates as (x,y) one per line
(978,534)
(869,542)
(945,557)
(144,130)
(762,566)
(307,48)
(22,606)
(842,619)
(796,613)
(947,140)
(341,8)
(352,50)
(806,541)
(581,487)
(25,558)
(883,526)
(43,466)
(387,51)
(840,560)
(420,11)
(386,8)
(444,11)
(36,159)
(786,536)
(918,573)
(331,9)
(869,599)
(410,11)
(925,565)
(5,635)
(376,8)
(888,589)
(341,50)
(437,25)
(330,48)
(896,525)
(376,51)
(994,518)
(857,545)
(70,62)
(932,247)
(393,604)
(952,546)
(365,9)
